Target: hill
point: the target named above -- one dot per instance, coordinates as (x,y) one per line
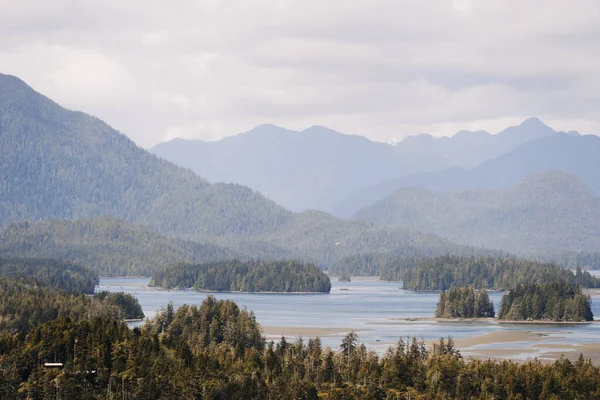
(64,164)
(107,245)
(548,213)
(577,155)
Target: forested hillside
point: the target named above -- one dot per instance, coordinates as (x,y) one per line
(109,246)
(64,164)
(249,276)
(550,213)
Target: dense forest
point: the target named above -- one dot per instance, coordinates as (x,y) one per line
(553,301)
(51,273)
(108,246)
(464,302)
(25,303)
(217,351)
(442,273)
(244,276)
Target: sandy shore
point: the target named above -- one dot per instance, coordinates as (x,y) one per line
(304,331)
(499,337)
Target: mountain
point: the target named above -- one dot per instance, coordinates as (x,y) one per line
(551,212)
(572,153)
(311,169)
(106,245)
(63,164)
(468,149)
(60,164)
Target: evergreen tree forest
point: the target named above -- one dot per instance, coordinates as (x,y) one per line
(216,351)
(552,301)
(56,274)
(244,276)
(464,302)
(443,273)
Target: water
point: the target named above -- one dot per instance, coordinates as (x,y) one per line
(376,310)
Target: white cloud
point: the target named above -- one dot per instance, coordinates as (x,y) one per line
(385,68)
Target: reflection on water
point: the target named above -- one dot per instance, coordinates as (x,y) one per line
(375,310)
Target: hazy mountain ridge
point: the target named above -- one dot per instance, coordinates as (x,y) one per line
(571,153)
(469,149)
(318,168)
(311,169)
(550,212)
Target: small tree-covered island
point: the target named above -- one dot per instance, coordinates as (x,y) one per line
(464,302)
(244,276)
(553,301)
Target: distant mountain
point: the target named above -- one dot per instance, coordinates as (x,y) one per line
(551,212)
(311,169)
(63,164)
(468,149)
(577,155)
(106,245)
(60,164)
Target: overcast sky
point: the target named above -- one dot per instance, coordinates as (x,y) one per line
(207,69)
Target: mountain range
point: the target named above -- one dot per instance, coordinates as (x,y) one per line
(318,168)
(65,165)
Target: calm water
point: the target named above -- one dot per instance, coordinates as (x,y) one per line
(373,309)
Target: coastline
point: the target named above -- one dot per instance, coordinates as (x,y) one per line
(495,321)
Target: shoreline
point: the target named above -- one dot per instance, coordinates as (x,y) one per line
(495,321)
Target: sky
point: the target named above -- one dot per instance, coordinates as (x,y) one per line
(384,69)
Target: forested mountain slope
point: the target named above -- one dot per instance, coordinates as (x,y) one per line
(109,246)
(63,164)
(551,212)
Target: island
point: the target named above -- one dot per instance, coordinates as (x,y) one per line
(244,276)
(464,302)
(552,301)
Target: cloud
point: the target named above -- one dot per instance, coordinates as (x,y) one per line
(385,68)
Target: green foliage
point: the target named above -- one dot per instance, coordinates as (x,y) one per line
(443,273)
(51,273)
(464,302)
(245,276)
(216,351)
(25,303)
(554,301)
(108,246)
(128,305)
